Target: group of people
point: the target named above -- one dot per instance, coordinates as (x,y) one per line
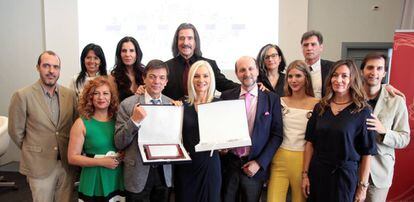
(325,131)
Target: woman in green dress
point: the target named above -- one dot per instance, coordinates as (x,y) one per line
(93,136)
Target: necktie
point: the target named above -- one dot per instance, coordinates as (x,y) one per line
(185,76)
(310,68)
(156,101)
(243,151)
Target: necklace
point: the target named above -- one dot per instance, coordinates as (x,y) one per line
(341,103)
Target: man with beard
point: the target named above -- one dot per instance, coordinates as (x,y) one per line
(186,50)
(245,169)
(40,119)
(389,120)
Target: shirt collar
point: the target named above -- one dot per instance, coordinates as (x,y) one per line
(47,92)
(254,91)
(148,98)
(192,59)
(316,67)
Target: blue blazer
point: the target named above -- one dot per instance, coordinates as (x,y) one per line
(267,131)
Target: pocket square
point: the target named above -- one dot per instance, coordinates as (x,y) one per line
(266,113)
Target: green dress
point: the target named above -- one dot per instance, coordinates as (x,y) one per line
(99,183)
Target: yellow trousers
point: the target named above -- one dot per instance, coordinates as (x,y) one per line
(286,170)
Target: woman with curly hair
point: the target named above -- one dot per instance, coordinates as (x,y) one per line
(127,72)
(338,145)
(101,178)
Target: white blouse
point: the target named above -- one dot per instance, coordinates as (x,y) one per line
(294,127)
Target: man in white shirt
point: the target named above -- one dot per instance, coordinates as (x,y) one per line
(312,47)
(142,182)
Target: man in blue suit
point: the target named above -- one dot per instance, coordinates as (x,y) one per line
(246,169)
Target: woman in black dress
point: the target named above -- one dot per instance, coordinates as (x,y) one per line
(128,69)
(339,146)
(271,64)
(199,180)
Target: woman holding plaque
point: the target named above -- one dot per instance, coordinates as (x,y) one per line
(199,180)
(101,177)
(297,106)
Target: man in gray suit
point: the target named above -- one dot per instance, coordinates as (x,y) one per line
(389,119)
(142,182)
(40,118)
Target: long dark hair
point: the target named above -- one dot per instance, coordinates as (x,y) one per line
(120,72)
(102,67)
(356,89)
(197,50)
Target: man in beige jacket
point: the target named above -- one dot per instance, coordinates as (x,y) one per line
(40,118)
(389,120)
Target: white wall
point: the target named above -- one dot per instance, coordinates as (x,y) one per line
(353,21)
(28,28)
(21,41)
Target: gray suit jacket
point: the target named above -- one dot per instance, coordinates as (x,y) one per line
(126,138)
(392,112)
(32,129)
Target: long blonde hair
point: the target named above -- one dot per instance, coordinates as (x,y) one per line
(356,89)
(303,67)
(191,91)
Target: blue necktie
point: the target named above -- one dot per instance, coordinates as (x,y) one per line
(156,101)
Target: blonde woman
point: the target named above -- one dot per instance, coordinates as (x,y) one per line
(199,180)
(286,167)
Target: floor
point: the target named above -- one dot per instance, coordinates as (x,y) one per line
(22,194)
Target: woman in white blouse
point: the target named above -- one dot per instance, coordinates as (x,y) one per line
(93,64)
(297,105)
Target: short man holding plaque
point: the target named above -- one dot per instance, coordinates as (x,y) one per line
(245,169)
(142,182)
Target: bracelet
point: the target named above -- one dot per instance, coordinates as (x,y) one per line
(363,185)
(304,174)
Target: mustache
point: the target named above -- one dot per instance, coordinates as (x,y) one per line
(186,46)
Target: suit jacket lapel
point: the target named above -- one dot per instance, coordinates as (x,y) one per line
(141,99)
(380,103)
(261,105)
(165,99)
(40,98)
(62,105)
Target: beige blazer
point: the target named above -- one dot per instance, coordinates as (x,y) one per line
(32,129)
(392,112)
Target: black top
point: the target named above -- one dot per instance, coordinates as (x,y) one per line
(373,102)
(199,180)
(341,137)
(174,88)
(326,66)
(278,89)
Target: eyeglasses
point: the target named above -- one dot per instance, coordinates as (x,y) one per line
(267,57)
